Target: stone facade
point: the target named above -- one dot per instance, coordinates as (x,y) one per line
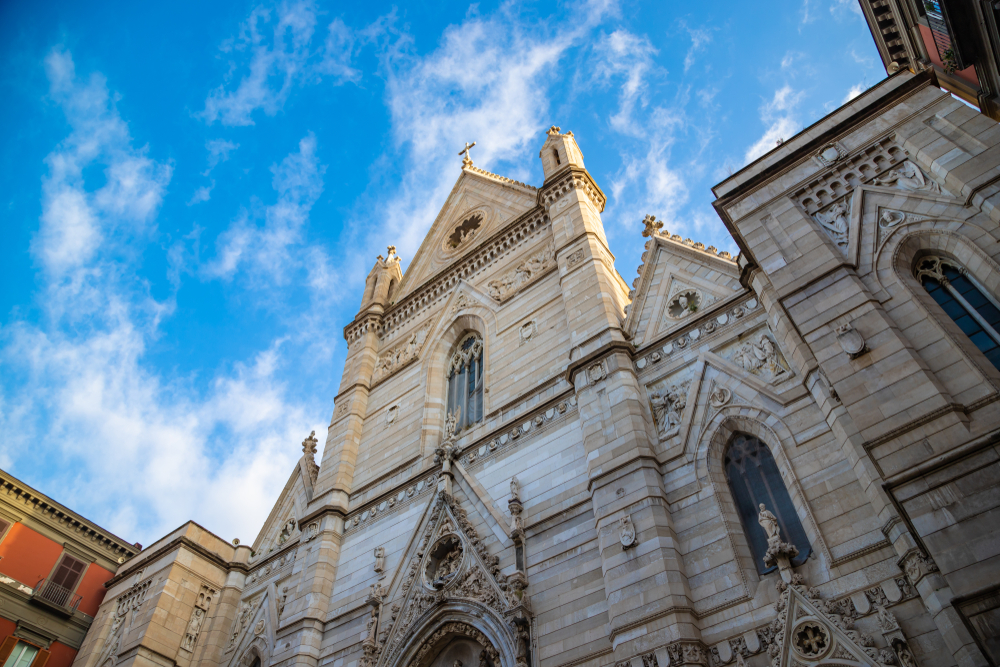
(587,519)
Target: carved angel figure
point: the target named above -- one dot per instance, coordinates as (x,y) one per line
(908,176)
(660,407)
(835,222)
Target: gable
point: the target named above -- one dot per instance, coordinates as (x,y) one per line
(675,281)
(282,525)
(479,205)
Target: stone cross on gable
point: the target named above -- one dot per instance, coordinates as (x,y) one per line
(467,152)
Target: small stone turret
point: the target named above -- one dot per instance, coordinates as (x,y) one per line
(382,281)
(559,151)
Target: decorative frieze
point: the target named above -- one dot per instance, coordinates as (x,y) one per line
(526,272)
(399,356)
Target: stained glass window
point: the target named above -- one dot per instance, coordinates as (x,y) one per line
(465,382)
(754,479)
(966,304)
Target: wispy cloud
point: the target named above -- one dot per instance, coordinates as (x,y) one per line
(700,37)
(219,151)
(778,115)
(855,90)
(83,386)
(274,52)
(265,250)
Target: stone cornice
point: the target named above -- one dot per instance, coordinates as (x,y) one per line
(500,179)
(439,287)
(174,545)
(362,324)
(572,177)
(82,532)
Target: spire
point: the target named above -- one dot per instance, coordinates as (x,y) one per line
(559,151)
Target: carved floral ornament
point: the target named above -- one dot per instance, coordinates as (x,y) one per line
(462,234)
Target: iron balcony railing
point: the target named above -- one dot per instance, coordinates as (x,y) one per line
(48,591)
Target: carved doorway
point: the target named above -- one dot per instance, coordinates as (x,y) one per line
(457,645)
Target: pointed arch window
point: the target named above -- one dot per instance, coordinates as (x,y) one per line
(754,478)
(465,382)
(968,305)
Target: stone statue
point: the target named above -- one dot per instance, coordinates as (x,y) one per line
(194,626)
(835,222)
(908,176)
(451,423)
(769,523)
(660,407)
(515,489)
(379,558)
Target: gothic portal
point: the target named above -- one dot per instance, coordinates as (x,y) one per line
(785,458)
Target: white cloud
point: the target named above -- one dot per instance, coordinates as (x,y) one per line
(623,55)
(699,38)
(265,250)
(276,53)
(219,151)
(855,90)
(203,193)
(161,449)
(778,116)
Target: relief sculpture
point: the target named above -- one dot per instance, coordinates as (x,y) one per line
(526,272)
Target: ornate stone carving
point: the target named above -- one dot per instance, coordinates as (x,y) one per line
(201,606)
(246,612)
(287,530)
(652,226)
(122,618)
(626,532)
(668,406)
(465,353)
(379,559)
(574,257)
(917,566)
(831,153)
(910,177)
(283,600)
(258,628)
(399,356)
(526,272)
(778,553)
(309,456)
(761,358)
(463,233)
(835,221)
(390,415)
(596,373)
(890,218)
(851,341)
(720,396)
(526,331)
(684,303)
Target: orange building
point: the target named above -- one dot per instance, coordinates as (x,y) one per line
(53,565)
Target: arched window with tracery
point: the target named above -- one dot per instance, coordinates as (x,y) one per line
(966,303)
(754,478)
(465,382)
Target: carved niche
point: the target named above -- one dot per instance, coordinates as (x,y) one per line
(668,398)
(759,354)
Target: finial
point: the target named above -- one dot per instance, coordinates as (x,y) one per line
(467,160)
(309,444)
(653,226)
(555,129)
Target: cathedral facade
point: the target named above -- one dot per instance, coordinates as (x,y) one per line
(785,458)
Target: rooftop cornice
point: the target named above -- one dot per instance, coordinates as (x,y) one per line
(21,496)
(465,268)
(500,179)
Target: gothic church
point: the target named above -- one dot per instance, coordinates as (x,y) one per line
(785,458)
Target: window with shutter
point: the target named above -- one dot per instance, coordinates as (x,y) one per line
(59,588)
(22,655)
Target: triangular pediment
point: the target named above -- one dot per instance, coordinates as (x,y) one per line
(677,280)
(252,634)
(445,562)
(485,203)
(808,635)
(281,526)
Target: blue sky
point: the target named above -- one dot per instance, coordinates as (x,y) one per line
(193,195)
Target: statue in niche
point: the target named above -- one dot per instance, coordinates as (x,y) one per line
(194,627)
(835,222)
(515,489)
(246,610)
(448,557)
(769,523)
(668,406)
(379,558)
(753,357)
(908,176)
(451,422)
